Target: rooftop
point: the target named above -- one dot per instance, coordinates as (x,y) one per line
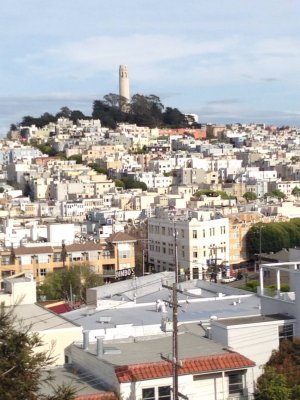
(146,314)
(254,319)
(40,319)
(228,361)
(86,389)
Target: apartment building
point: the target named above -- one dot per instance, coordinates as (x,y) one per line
(198,238)
(110,258)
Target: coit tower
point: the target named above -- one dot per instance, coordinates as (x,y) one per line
(124,83)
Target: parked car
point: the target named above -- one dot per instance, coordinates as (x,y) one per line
(228,279)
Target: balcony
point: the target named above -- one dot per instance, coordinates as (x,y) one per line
(109,272)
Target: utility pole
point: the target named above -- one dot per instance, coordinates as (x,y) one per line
(174,304)
(215,266)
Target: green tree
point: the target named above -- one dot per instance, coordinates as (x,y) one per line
(283,367)
(64,112)
(108,115)
(146,110)
(77,158)
(119,183)
(129,183)
(212,193)
(114,100)
(250,196)
(173,118)
(272,385)
(47,118)
(275,193)
(76,115)
(74,281)
(272,237)
(296,191)
(21,365)
(98,169)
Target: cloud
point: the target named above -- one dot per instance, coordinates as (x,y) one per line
(222,102)
(270,79)
(178,60)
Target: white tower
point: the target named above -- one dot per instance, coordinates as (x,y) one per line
(124,84)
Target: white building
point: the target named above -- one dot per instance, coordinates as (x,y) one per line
(154,180)
(200,238)
(134,369)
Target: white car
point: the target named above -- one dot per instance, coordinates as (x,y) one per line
(228,279)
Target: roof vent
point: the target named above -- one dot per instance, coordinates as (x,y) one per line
(104,319)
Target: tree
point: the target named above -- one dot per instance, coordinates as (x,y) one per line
(275,193)
(119,183)
(21,365)
(98,169)
(114,100)
(77,158)
(268,238)
(146,110)
(272,385)
(250,196)
(283,367)
(129,183)
(64,283)
(274,236)
(64,112)
(174,118)
(47,118)
(296,191)
(76,115)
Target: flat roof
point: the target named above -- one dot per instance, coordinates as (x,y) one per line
(63,375)
(145,314)
(40,318)
(254,319)
(191,343)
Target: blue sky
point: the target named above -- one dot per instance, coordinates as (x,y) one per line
(225,60)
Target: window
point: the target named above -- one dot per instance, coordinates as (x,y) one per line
(57,257)
(148,394)
(124,254)
(195,254)
(194,234)
(43,258)
(43,271)
(6,260)
(164,393)
(235,383)
(160,393)
(286,332)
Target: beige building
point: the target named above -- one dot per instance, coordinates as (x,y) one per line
(200,238)
(95,152)
(109,258)
(56,332)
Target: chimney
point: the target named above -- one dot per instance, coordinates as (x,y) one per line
(86,340)
(100,348)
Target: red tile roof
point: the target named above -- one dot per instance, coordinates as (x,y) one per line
(139,372)
(97,396)
(120,237)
